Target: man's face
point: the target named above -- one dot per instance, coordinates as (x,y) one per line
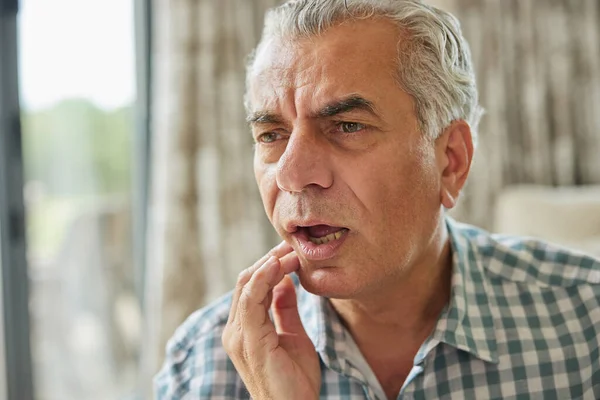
(344,173)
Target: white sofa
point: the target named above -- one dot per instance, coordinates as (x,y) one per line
(569,216)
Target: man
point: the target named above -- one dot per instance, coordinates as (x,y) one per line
(364,116)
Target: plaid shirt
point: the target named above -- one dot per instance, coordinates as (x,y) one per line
(523,323)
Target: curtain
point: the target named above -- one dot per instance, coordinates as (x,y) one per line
(538,72)
(206,220)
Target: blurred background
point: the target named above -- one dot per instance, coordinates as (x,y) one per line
(127,198)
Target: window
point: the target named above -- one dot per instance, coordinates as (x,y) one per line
(77,80)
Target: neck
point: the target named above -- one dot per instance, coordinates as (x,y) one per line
(408,305)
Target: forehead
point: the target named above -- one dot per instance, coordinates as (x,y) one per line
(355,57)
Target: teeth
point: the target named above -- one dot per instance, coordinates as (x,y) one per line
(328,238)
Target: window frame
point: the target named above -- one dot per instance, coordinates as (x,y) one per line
(13,262)
(143,139)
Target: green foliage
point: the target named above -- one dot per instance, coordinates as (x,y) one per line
(75,148)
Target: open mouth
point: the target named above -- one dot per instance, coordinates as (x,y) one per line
(320,242)
(323,234)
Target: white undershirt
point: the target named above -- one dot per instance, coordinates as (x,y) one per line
(358,360)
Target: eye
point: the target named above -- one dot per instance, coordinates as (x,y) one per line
(350,127)
(268,137)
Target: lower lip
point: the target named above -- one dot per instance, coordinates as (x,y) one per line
(318,252)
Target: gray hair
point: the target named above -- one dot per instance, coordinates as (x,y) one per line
(434,60)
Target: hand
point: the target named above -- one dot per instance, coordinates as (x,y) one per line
(275,360)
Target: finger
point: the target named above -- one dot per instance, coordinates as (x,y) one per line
(252,312)
(285,308)
(290,262)
(262,282)
(278,251)
(281,249)
(242,280)
(244,277)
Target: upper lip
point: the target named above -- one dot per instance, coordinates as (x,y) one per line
(292,226)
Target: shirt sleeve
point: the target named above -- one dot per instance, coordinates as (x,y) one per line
(173,380)
(196,364)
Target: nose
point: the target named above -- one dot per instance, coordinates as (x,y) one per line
(305,162)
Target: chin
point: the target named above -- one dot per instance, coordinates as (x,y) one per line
(330,282)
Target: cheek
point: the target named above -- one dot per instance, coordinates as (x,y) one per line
(267,186)
(417,189)
(397,193)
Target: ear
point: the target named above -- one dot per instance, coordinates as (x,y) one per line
(454,152)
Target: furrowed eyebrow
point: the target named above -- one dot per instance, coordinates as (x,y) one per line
(264,117)
(346,105)
(332,109)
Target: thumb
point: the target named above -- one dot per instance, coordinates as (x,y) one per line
(285,308)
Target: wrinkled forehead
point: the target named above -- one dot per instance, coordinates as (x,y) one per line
(357,57)
(277,62)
